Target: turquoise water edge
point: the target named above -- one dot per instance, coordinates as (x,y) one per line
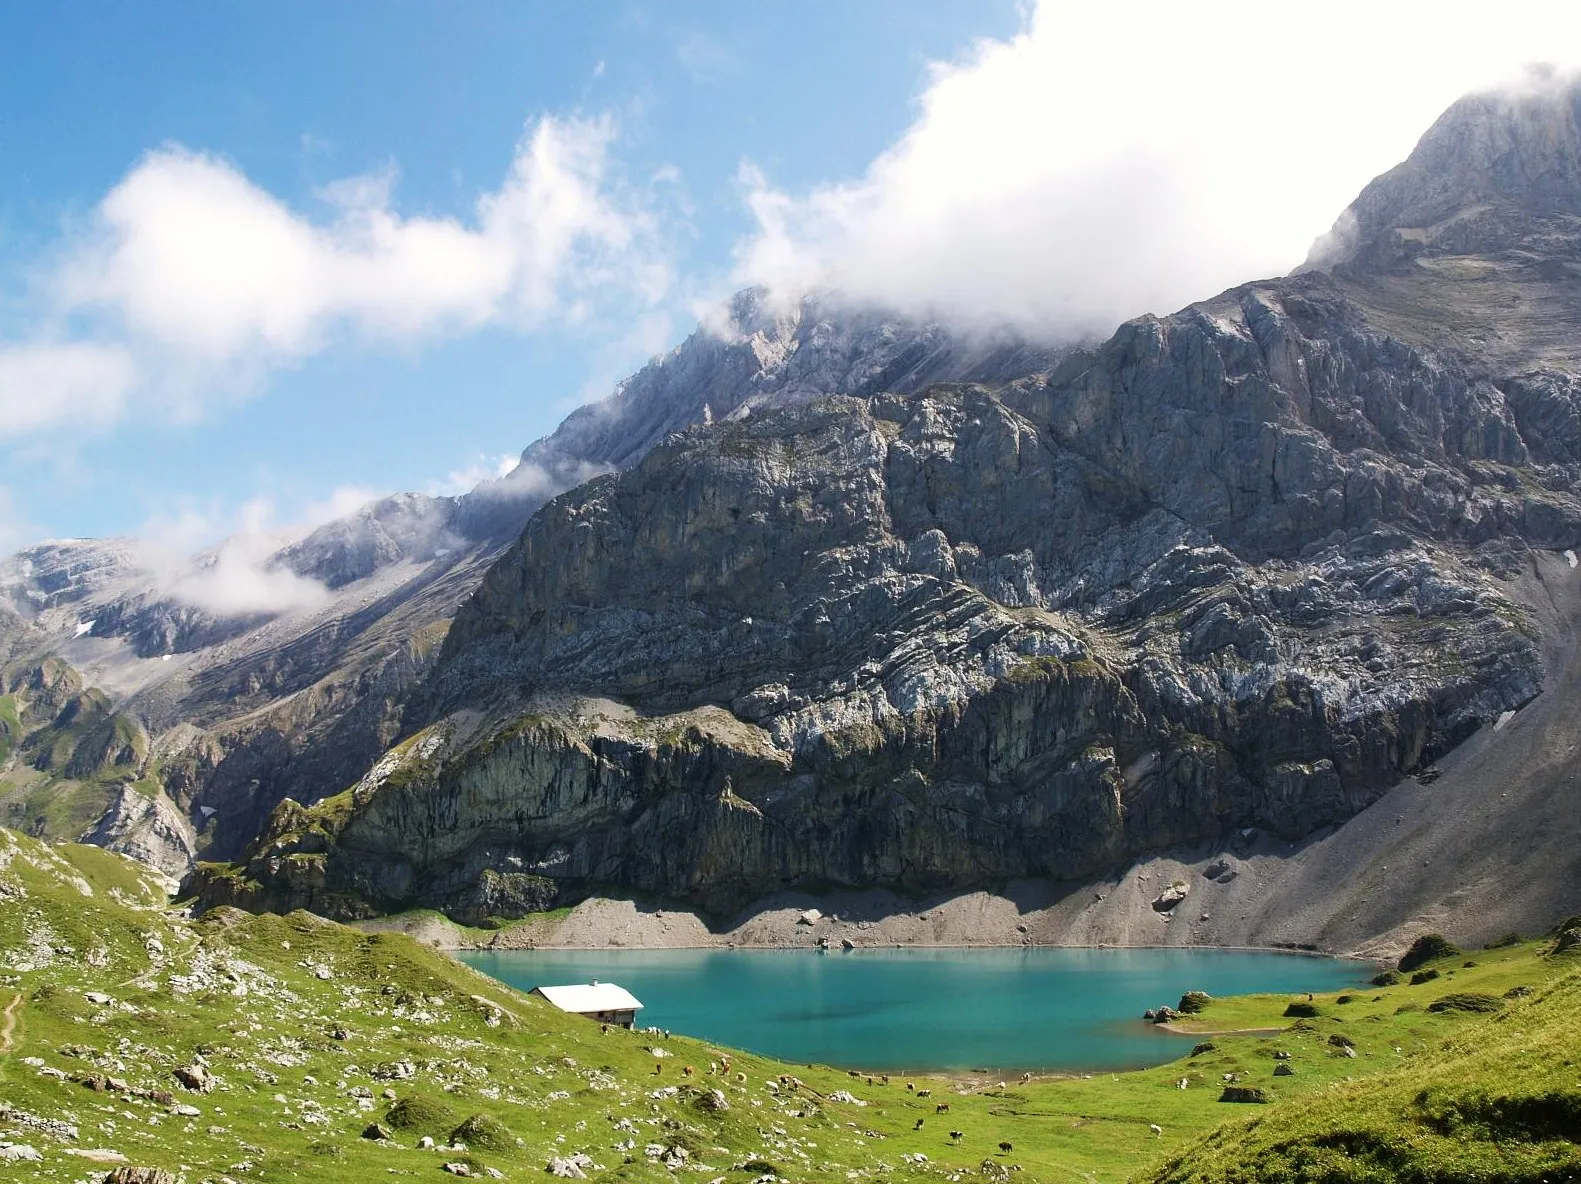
(935,1009)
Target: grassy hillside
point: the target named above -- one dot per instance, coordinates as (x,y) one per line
(312,1033)
(64,749)
(1498,1100)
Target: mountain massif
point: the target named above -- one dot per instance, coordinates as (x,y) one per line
(830,599)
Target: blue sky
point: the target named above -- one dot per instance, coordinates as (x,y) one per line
(261,260)
(299,95)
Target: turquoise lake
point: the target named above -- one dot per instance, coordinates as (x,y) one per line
(955,1009)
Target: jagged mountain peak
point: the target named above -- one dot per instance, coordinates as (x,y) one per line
(1496,169)
(402,526)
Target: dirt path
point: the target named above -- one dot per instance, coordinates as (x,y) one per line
(8,1023)
(1179,1031)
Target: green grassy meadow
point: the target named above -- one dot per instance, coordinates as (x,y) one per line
(315,1035)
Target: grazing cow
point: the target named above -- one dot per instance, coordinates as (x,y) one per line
(687,1071)
(657,1069)
(1025,1077)
(885,1078)
(957,1136)
(918,1127)
(924,1093)
(1006,1147)
(910,1086)
(1157,1130)
(942,1108)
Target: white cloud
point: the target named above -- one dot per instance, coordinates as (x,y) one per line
(193,281)
(1114,159)
(342,501)
(528,480)
(15,529)
(233,575)
(482,468)
(69,384)
(234,580)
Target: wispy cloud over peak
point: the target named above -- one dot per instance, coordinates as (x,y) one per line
(1110,160)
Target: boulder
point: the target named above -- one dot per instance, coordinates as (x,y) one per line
(1428,948)
(1171,896)
(570,1167)
(194,1077)
(1194,1001)
(1244,1093)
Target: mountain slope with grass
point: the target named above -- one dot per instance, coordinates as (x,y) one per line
(1497,1100)
(268,1047)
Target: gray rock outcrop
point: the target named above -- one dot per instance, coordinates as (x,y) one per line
(148,827)
(1243,566)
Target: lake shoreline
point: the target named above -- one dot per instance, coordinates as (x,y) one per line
(1026,916)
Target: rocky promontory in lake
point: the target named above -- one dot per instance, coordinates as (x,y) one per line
(830,600)
(1240,569)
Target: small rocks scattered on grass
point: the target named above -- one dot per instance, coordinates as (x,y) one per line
(194,1077)
(64,1131)
(136,1175)
(570,1167)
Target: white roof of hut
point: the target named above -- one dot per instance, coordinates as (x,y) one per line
(586,998)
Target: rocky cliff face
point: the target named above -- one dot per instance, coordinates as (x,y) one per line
(1234,568)
(1241,567)
(149,828)
(248,708)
